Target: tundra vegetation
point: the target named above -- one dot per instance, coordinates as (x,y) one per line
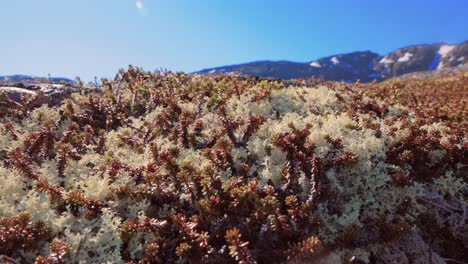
(174,168)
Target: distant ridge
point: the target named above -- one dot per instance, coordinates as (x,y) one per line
(365,66)
(27,79)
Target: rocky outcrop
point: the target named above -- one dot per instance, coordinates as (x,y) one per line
(52,94)
(15,93)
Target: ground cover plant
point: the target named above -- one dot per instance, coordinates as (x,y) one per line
(175,168)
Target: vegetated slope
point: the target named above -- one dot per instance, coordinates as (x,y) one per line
(443,98)
(162,168)
(434,73)
(364,66)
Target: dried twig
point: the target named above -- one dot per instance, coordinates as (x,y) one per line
(447,208)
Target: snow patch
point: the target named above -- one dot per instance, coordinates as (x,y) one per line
(335,60)
(386,60)
(461,58)
(212,71)
(445,49)
(406,57)
(315,64)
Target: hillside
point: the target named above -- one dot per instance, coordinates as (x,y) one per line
(163,168)
(444,98)
(364,66)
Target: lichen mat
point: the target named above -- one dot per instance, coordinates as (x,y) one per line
(168,167)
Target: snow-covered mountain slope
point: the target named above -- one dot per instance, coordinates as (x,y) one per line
(364,66)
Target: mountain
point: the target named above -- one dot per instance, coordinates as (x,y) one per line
(26,79)
(362,65)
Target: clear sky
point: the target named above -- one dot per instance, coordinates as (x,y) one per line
(90,38)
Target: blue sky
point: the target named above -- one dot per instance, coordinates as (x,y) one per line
(90,38)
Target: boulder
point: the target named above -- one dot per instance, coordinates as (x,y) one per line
(54,94)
